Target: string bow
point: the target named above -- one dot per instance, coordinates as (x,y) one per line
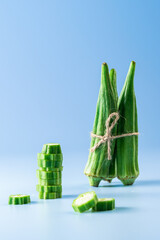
(107,136)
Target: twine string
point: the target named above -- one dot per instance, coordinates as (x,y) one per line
(107,136)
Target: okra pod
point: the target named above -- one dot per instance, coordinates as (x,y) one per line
(127,147)
(112,173)
(97,167)
(113,79)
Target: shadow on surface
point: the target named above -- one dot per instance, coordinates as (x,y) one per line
(111,185)
(34,202)
(125,209)
(70,196)
(117,210)
(137,183)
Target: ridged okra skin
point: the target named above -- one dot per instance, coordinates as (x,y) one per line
(51,148)
(56,188)
(104,204)
(113,166)
(127,147)
(97,167)
(113,79)
(19,199)
(85,201)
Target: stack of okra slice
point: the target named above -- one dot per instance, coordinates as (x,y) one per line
(49,173)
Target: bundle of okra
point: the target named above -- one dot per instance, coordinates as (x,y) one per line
(124,151)
(49,173)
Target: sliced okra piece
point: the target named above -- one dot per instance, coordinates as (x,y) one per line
(19,199)
(104,204)
(49,164)
(53,157)
(48,174)
(41,188)
(85,201)
(51,148)
(50,182)
(60,169)
(46,195)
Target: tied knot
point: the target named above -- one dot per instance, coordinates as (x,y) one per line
(107,136)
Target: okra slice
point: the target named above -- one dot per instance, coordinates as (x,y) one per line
(48,174)
(50,182)
(49,164)
(104,204)
(51,169)
(19,199)
(53,157)
(85,201)
(41,188)
(59,194)
(46,195)
(51,148)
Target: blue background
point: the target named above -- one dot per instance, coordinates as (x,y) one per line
(50,66)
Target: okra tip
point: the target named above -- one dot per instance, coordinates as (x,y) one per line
(133,63)
(128,181)
(112,70)
(94,181)
(112,73)
(105,68)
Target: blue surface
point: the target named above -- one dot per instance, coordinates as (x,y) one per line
(136,215)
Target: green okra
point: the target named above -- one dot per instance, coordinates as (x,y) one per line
(112,173)
(104,204)
(85,201)
(58,194)
(50,195)
(49,164)
(46,195)
(51,148)
(41,188)
(53,157)
(19,199)
(98,165)
(48,174)
(50,182)
(51,169)
(113,79)
(127,147)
